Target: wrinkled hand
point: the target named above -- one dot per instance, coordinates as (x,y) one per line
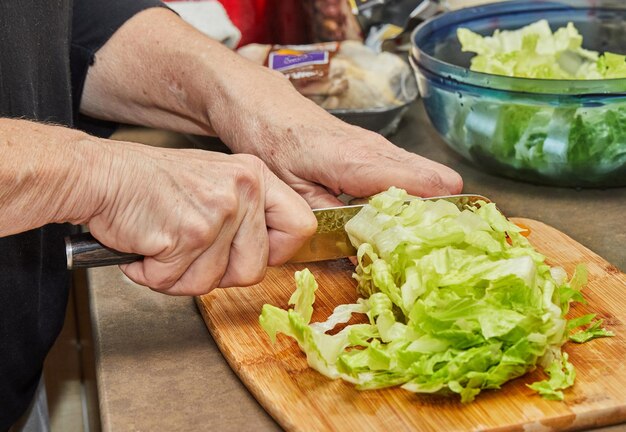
(201,219)
(318,155)
(359,163)
(196,85)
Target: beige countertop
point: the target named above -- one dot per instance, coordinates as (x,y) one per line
(158,369)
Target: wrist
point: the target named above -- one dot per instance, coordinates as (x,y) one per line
(46,175)
(89,179)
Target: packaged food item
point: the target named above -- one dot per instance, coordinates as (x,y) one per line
(340,76)
(302,63)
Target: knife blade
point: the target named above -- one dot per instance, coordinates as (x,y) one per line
(330,240)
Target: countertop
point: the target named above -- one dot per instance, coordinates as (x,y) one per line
(158,369)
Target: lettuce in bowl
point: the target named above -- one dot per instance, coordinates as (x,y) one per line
(534,51)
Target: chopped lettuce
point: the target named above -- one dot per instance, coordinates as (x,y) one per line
(452,302)
(570,142)
(592,332)
(612,65)
(569,145)
(534,51)
(562,376)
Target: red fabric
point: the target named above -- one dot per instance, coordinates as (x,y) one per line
(269,21)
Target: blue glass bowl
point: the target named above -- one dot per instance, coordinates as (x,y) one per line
(556,132)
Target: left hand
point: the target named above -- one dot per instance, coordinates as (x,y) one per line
(317,154)
(195,85)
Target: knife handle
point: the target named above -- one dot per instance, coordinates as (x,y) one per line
(83,251)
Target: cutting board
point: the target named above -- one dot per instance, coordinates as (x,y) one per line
(301,399)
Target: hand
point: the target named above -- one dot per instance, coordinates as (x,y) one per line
(201,219)
(318,155)
(195,85)
(359,163)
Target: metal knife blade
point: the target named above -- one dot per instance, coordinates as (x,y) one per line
(331,241)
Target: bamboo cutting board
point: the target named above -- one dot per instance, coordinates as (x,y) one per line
(301,399)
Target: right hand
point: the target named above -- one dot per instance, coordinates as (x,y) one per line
(201,219)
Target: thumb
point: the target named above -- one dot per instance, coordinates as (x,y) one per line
(288,217)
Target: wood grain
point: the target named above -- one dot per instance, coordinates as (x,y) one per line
(300,399)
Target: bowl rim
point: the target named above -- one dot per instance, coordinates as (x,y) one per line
(452,72)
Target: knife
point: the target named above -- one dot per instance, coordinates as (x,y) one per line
(330,241)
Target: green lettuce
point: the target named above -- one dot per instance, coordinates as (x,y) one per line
(569,145)
(534,51)
(592,332)
(451,302)
(562,376)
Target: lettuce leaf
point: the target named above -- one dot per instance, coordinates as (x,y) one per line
(572,145)
(569,143)
(592,332)
(534,51)
(452,302)
(562,376)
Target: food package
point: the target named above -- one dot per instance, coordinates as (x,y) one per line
(340,75)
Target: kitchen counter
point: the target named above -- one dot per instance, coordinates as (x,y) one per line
(158,369)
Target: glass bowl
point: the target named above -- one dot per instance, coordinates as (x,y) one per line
(556,132)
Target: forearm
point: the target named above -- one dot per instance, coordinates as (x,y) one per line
(45,175)
(148,73)
(158,71)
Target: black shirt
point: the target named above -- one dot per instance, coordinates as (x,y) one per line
(46,47)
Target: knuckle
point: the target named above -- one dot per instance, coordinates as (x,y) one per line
(251,279)
(191,282)
(162,274)
(199,234)
(225,209)
(161,283)
(250,184)
(196,289)
(433,180)
(248,176)
(247,277)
